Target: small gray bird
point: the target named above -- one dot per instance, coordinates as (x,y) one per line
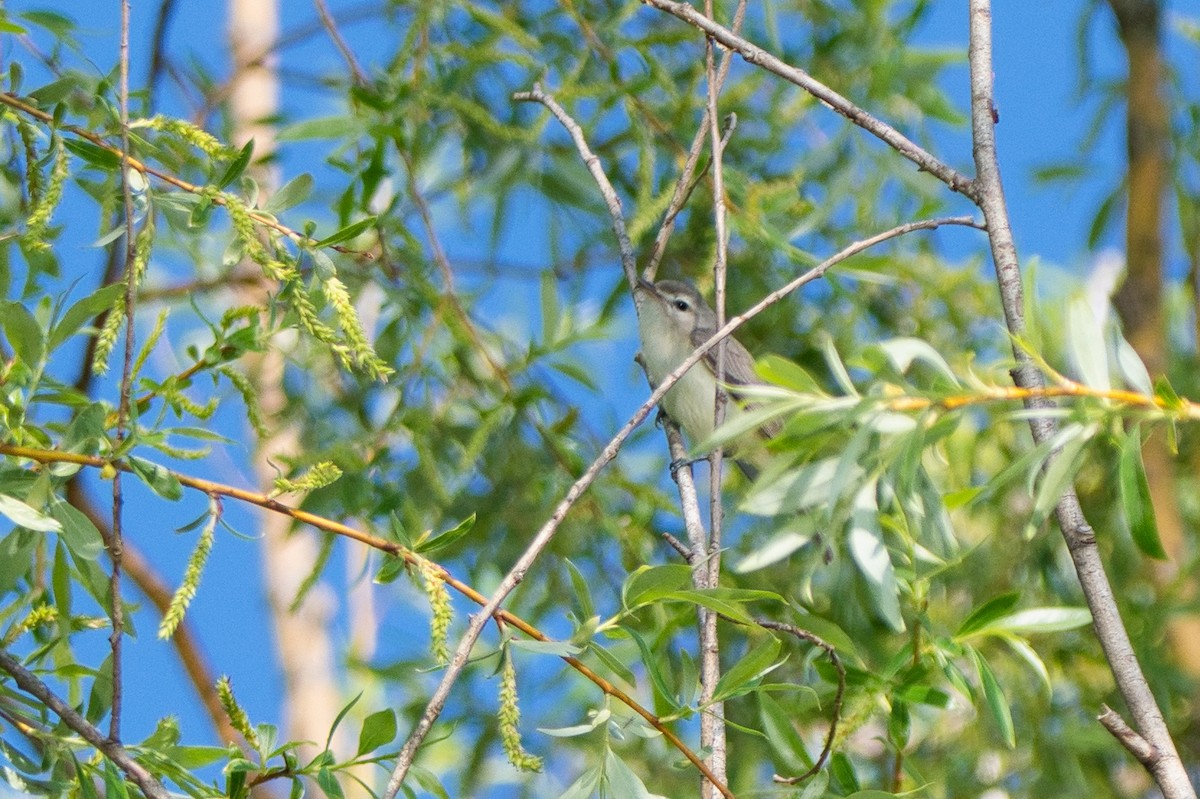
(673,319)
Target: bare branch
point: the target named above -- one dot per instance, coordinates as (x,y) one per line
(988,191)
(628,259)
(759,57)
(28,682)
(1138,746)
(116,611)
(712,723)
(330,26)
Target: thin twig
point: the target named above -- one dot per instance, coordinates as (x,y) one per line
(28,682)
(988,191)
(628,259)
(684,184)
(116,611)
(836,714)
(754,54)
(330,26)
(712,723)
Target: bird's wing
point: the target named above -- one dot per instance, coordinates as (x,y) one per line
(739,371)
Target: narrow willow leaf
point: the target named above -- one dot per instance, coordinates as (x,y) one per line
(865,542)
(83,311)
(902,352)
(786,744)
(235,169)
(621,779)
(1042,620)
(23,515)
(747,672)
(649,583)
(1133,370)
(1034,661)
(24,333)
(1085,343)
(988,612)
(291,194)
(158,477)
(996,701)
(1059,474)
(345,234)
(1135,496)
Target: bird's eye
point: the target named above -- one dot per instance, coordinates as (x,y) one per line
(681,305)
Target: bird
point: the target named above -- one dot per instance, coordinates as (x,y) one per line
(674,319)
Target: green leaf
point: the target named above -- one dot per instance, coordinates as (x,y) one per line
(378,729)
(98,156)
(195,757)
(556,648)
(747,672)
(796,489)
(725,601)
(790,754)
(782,372)
(597,718)
(443,540)
(334,127)
(1042,620)
(585,786)
(616,665)
(114,783)
(22,515)
(996,701)
(987,612)
(291,194)
(1060,472)
(902,352)
(329,784)
(650,583)
(620,779)
(650,659)
(348,232)
(1031,658)
(550,310)
(78,532)
(582,592)
(157,476)
(235,169)
(1132,368)
(392,567)
(24,333)
(1135,496)
(870,554)
(1085,343)
(84,311)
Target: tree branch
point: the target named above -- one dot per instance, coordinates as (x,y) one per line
(754,54)
(628,259)
(988,191)
(28,682)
